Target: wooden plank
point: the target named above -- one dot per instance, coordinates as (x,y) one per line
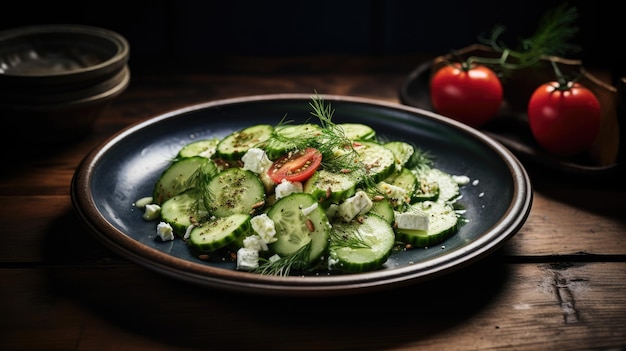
(487,306)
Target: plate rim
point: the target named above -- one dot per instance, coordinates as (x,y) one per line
(240,281)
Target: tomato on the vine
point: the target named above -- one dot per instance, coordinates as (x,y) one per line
(469,93)
(296,166)
(564,117)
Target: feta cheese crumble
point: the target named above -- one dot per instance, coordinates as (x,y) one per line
(165,231)
(247,259)
(414,220)
(360,203)
(152,212)
(264,227)
(256,160)
(286,187)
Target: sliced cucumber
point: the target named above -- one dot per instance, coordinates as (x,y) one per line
(183,210)
(235,145)
(402,152)
(443,221)
(378,160)
(220,232)
(288,137)
(330,188)
(234,190)
(404,179)
(205,148)
(177,177)
(436,185)
(360,246)
(299,222)
(384,209)
(449,189)
(357,131)
(427,189)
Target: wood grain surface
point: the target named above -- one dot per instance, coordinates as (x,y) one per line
(558,284)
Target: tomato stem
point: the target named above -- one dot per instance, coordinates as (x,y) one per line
(564,83)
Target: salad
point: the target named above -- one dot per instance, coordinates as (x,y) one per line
(290,198)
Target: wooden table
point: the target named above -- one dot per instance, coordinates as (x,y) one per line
(558,284)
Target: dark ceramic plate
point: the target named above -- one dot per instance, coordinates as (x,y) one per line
(126,166)
(510,128)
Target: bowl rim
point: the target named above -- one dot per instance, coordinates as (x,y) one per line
(112,64)
(121,85)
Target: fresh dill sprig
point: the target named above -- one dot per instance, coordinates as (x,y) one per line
(284,265)
(198,181)
(551,38)
(420,159)
(348,236)
(337,150)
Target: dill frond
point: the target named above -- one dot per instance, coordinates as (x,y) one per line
(551,38)
(420,159)
(284,265)
(348,236)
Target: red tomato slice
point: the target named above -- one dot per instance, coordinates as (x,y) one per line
(296,166)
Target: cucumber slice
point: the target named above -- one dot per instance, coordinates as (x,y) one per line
(402,151)
(183,210)
(288,137)
(436,185)
(443,221)
(299,222)
(378,160)
(449,189)
(427,189)
(177,177)
(404,179)
(357,131)
(205,148)
(384,209)
(330,188)
(361,246)
(219,233)
(235,145)
(234,190)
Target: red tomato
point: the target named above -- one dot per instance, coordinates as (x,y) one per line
(471,95)
(296,166)
(565,120)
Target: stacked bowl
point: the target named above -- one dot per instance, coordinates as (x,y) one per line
(57,79)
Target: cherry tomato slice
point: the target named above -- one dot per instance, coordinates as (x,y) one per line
(296,166)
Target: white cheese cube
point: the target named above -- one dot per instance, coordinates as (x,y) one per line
(247,259)
(286,187)
(264,227)
(165,231)
(256,160)
(414,220)
(151,212)
(360,203)
(255,242)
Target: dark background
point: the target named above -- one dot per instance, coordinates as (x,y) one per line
(171,32)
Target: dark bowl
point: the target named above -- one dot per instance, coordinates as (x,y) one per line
(56,80)
(67,55)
